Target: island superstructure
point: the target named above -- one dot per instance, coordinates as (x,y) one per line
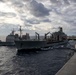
(9,41)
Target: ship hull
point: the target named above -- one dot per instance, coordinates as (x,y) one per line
(30,45)
(7,44)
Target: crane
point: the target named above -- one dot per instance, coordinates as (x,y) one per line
(46,35)
(37,36)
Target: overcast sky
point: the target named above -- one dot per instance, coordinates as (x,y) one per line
(38,16)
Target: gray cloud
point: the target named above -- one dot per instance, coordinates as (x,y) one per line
(28,25)
(66,2)
(46,20)
(73,1)
(60,2)
(1,0)
(57,2)
(18,3)
(31,21)
(38,9)
(35,21)
(8,14)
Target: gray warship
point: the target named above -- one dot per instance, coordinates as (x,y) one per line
(25,43)
(9,41)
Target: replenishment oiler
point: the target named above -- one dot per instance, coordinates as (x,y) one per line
(26,43)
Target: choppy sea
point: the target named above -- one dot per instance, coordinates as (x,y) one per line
(32,63)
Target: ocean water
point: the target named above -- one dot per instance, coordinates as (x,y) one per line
(32,63)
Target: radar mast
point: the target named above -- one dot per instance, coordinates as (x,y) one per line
(20,32)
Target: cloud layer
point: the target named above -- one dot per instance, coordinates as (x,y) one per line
(39,15)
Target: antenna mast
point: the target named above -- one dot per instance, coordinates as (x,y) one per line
(20,32)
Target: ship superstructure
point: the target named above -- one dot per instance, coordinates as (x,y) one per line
(26,42)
